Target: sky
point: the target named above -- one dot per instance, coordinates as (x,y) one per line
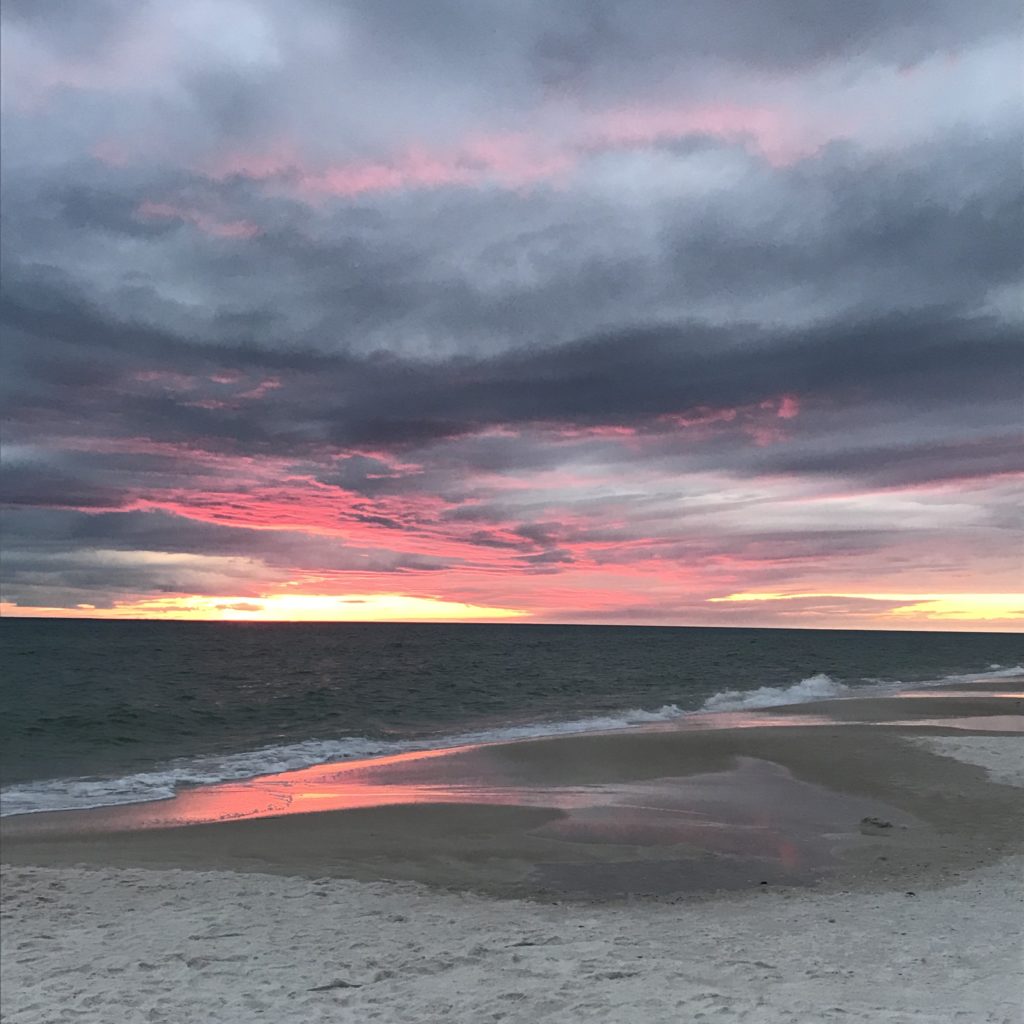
(615,311)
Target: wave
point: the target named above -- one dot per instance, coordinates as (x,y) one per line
(824,687)
(993,673)
(816,687)
(163,781)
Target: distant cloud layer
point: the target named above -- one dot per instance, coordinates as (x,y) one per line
(624,311)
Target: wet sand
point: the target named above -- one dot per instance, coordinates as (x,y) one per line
(724,804)
(721,871)
(964,702)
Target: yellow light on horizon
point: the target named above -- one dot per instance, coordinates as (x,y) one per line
(287,608)
(963,607)
(362,608)
(975,607)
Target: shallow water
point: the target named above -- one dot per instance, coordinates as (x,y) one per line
(101,713)
(466,774)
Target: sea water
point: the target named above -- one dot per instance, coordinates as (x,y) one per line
(98,712)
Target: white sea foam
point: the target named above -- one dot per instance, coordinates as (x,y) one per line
(163,781)
(816,687)
(993,674)
(822,687)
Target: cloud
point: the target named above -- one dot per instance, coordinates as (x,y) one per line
(659,380)
(35,485)
(602,309)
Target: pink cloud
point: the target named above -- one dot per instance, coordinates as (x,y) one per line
(168,378)
(624,558)
(789,407)
(206,223)
(604,432)
(699,417)
(774,133)
(510,159)
(210,403)
(758,420)
(221,397)
(786,407)
(262,388)
(518,158)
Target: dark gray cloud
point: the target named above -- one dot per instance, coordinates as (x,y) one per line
(60,557)
(77,361)
(510,290)
(841,235)
(44,486)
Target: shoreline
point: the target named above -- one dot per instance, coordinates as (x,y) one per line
(161,780)
(593,816)
(889,702)
(686,875)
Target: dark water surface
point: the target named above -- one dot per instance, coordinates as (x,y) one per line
(102,712)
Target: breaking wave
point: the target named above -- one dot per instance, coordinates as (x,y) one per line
(163,781)
(816,687)
(823,687)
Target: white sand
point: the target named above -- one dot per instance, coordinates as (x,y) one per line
(1001,756)
(130,946)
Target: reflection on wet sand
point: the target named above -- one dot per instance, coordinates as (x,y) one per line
(715,801)
(753,818)
(751,822)
(479,775)
(454,775)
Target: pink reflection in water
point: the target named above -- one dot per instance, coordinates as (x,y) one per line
(446,776)
(343,785)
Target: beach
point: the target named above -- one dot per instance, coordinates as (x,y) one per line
(859,866)
(105,945)
(511,512)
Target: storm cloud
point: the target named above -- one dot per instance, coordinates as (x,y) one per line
(536,307)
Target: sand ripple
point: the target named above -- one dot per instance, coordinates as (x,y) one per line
(172,946)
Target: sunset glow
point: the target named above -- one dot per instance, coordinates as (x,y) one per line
(287,608)
(987,608)
(544,316)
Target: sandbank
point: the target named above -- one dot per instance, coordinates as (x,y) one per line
(722,804)
(780,866)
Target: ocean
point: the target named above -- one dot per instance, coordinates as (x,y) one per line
(98,712)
